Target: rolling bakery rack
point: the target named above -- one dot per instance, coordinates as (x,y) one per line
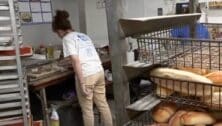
(14,102)
(157,45)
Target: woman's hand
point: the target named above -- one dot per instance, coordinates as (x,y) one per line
(85,91)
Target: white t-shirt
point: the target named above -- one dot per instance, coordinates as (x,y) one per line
(79,44)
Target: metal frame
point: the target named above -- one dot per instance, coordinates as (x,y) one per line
(18,60)
(157,45)
(160,47)
(14,91)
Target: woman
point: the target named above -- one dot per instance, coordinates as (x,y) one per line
(89,74)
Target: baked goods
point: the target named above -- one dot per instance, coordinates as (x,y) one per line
(163,112)
(163,92)
(197,118)
(182,81)
(194,70)
(216,78)
(175,120)
(218,124)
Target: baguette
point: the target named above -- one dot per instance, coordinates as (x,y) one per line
(197,118)
(163,112)
(216,78)
(198,71)
(182,81)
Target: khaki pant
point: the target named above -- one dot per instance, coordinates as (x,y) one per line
(96,84)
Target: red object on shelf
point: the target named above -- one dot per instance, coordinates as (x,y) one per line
(37,123)
(24,51)
(17,124)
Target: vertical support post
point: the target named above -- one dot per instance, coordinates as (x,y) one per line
(82,16)
(18,60)
(193,4)
(118,45)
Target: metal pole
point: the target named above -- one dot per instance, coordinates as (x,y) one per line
(18,61)
(193,4)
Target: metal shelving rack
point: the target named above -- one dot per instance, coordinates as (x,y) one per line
(14,101)
(157,45)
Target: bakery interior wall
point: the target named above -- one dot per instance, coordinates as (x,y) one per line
(145,8)
(95,19)
(42,33)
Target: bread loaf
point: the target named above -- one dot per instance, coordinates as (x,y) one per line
(163,112)
(198,71)
(175,120)
(163,92)
(197,118)
(182,81)
(216,78)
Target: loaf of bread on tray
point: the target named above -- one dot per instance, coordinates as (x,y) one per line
(182,81)
(216,78)
(197,118)
(163,112)
(175,119)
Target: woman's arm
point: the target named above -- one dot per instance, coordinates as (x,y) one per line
(78,71)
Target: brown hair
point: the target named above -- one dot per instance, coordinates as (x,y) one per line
(61,21)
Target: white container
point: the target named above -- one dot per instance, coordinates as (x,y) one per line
(54,119)
(130,56)
(57,54)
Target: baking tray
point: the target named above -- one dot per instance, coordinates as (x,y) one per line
(25,50)
(11,113)
(3,48)
(8,75)
(8,67)
(10,97)
(9,88)
(11,121)
(5,28)
(5,18)
(7,58)
(5,39)
(4,8)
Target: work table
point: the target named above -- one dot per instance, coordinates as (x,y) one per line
(39,85)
